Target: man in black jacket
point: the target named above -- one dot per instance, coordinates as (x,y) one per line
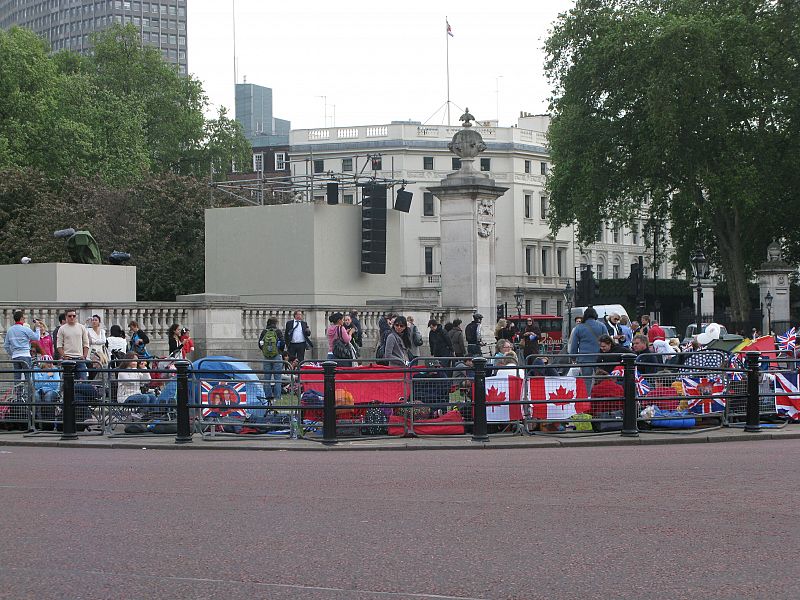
(646,361)
(297,335)
(473,335)
(439,342)
(611,352)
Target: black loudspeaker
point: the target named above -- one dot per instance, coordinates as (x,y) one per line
(373,229)
(332,193)
(403,201)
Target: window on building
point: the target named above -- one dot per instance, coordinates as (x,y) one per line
(258,162)
(456,163)
(615,271)
(635,234)
(615,232)
(543,207)
(486,164)
(543,168)
(347,198)
(427,163)
(559,307)
(545,261)
(280,161)
(428,208)
(428,260)
(600,271)
(561,262)
(377,163)
(599,235)
(319,166)
(527,166)
(528,307)
(347,164)
(529,260)
(544,307)
(528,206)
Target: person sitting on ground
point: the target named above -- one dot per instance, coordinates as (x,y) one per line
(611,351)
(605,387)
(131,378)
(647,362)
(46,380)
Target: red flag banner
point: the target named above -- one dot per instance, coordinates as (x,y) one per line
(565,396)
(506,386)
(366,384)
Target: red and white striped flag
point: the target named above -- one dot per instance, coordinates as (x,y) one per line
(566,396)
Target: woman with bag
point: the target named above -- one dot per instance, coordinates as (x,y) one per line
(415,336)
(98,343)
(339,339)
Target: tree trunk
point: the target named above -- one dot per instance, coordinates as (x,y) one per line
(727,230)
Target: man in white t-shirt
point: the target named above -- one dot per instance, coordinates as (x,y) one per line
(73,343)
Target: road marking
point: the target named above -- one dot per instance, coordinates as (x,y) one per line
(240,582)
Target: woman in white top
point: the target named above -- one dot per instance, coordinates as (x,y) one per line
(130,381)
(97,339)
(116,339)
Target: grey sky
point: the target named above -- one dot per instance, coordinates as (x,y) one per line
(375,65)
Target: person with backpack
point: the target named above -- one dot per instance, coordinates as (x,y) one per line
(416,337)
(271,342)
(473,335)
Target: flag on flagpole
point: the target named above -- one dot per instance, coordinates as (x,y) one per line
(787,341)
(449,29)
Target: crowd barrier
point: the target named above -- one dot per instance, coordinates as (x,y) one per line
(220,398)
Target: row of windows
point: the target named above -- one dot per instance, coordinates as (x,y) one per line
(105,21)
(427,164)
(528,206)
(545,255)
(617,271)
(281,163)
(88,8)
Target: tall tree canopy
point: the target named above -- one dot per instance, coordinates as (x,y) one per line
(682,110)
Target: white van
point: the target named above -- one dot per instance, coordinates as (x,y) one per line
(602,311)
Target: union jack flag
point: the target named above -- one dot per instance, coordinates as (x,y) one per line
(787,341)
(789,404)
(224,399)
(642,387)
(618,371)
(703,392)
(736,363)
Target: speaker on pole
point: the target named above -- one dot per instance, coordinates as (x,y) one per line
(373,229)
(403,200)
(332,193)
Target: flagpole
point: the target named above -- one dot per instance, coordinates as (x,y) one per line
(447,40)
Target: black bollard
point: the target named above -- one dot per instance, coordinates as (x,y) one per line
(479,401)
(753,409)
(329,411)
(68,417)
(184,433)
(630,415)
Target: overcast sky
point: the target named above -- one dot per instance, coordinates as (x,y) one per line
(375,64)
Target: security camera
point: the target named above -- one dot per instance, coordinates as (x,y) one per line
(25,260)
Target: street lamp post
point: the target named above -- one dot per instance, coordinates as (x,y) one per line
(569,293)
(519,296)
(768,304)
(699,270)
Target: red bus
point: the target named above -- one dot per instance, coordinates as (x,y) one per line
(549,325)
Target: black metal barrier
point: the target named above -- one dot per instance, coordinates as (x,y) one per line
(469,400)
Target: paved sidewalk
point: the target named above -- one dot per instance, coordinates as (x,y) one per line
(497,441)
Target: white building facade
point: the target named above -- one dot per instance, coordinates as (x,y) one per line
(528,257)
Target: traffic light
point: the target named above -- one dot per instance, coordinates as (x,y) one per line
(635,279)
(588,288)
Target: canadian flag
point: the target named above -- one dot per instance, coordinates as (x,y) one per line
(563,395)
(506,386)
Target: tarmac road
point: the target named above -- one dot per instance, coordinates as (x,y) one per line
(673,521)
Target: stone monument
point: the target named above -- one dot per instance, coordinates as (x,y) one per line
(773,277)
(467,225)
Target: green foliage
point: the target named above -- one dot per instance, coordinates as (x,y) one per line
(685,110)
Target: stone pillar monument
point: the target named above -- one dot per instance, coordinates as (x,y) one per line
(467,227)
(773,277)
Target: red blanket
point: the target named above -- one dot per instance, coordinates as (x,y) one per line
(450,423)
(372,386)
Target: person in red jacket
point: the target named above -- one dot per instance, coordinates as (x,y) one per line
(655,333)
(606,387)
(187,344)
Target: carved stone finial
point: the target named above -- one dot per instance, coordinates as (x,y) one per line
(774,253)
(466,118)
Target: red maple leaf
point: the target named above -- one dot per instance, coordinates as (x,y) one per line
(495,395)
(562,393)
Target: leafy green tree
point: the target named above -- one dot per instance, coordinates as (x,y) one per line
(678,110)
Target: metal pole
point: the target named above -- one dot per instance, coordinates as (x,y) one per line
(629,412)
(699,315)
(753,422)
(184,433)
(329,410)
(68,427)
(479,433)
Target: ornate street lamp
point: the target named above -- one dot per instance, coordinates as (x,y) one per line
(519,296)
(569,294)
(700,272)
(768,304)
